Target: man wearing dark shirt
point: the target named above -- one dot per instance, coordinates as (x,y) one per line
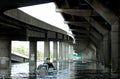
(50,65)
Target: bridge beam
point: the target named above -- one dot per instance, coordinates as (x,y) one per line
(84,24)
(96,34)
(96,25)
(18,15)
(91,21)
(94,40)
(77,12)
(110,17)
(87,32)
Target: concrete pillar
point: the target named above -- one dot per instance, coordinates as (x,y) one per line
(101,53)
(64,54)
(106,50)
(99,56)
(71,50)
(107,53)
(60,55)
(46,49)
(63,51)
(115,47)
(33,59)
(55,53)
(67,51)
(60,50)
(114,21)
(5,57)
(67,55)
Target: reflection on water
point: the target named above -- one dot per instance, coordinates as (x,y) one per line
(21,70)
(75,70)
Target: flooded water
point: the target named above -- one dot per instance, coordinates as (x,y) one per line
(74,70)
(21,70)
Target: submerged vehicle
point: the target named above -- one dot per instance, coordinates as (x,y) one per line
(43,71)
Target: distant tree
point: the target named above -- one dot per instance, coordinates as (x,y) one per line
(21,49)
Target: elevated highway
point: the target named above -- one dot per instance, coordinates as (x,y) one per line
(19,26)
(95,25)
(19,58)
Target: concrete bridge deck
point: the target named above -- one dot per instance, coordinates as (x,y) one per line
(16,57)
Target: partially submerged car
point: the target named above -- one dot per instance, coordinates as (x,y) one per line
(43,71)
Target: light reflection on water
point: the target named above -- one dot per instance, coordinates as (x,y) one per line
(74,70)
(21,69)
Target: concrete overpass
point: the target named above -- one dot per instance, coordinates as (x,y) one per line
(17,25)
(16,57)
(94,23)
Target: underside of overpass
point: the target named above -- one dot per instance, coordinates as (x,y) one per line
(94,24)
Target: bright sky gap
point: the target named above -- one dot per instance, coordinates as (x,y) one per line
(47,13)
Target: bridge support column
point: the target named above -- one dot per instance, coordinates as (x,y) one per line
(5,57)
(64,54)
(33,58)
(70,52)
(64,51)
(67,54)
(55,53)
(99,56)
(115,48)
(114,21)
(102,57)
(106,50)
(46,49)
(60,55)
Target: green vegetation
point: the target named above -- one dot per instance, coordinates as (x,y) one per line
(21,50)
